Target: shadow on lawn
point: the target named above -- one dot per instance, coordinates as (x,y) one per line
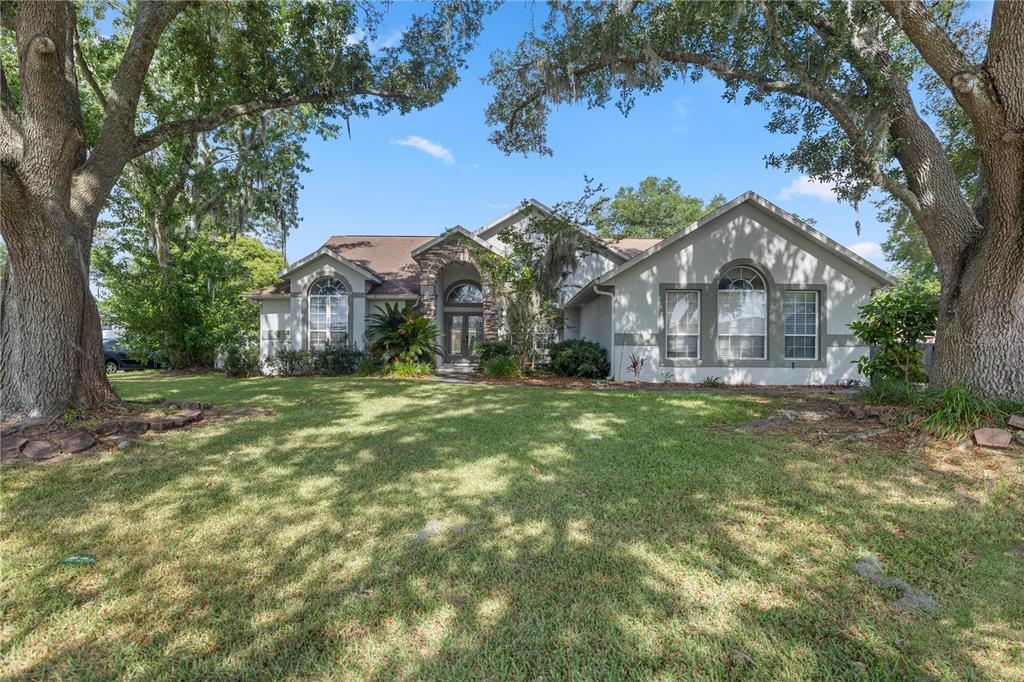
(286,546)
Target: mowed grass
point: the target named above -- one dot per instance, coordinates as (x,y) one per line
(590,535)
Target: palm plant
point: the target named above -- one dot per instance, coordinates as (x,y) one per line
(400,334)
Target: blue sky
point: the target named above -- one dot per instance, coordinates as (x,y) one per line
(426,171)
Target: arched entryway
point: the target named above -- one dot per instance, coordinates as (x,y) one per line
(463,325)
(457,295)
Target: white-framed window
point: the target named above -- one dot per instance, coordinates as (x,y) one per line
(742,315)
(328,312)
(800,310)
(682,324)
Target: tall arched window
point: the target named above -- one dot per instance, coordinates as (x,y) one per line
(328,311)
(742,315)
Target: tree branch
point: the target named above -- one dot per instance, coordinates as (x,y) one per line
(966,80)
(156,136)
(90,77)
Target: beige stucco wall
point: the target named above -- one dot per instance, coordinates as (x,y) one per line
(290,314)
(787,257)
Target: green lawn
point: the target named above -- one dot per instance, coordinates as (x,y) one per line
(670,547)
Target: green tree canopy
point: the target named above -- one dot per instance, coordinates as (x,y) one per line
(656,207)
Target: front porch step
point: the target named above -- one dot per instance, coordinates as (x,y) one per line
(456,368)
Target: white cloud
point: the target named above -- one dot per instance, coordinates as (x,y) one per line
(426,146)
(867,250)
(805,186)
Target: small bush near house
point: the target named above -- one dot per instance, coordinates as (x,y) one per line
(242,360)
(502,367)
(400,334)
(407,370)
(494,348)
(711,382)
(368,367)
(340,358)
(332,359)
(894,323)
(288,362)
(577,358)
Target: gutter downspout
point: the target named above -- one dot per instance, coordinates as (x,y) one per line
(611,319)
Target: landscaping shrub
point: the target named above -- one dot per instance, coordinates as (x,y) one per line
(578,358)
(711,382)
(492,349)
(287,361)
(954,412)
(503,367)
(893,323)
(404,370)
(242,360)
(368,367)
(401,334)
(340,358)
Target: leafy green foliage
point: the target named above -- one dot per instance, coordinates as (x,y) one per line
(502,367)
(242,360)
(400,334)
(893,323)
(528,277)
(953,412)
(494,348)
(711,382)
(579,358)
(657,207)
(890,391)
(332,359)
(192,310)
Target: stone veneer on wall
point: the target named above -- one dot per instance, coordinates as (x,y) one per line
(437,258)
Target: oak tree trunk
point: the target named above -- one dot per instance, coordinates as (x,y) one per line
(51,357)
(980,331)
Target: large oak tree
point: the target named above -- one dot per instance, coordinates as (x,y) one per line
(234,59)
(842,75)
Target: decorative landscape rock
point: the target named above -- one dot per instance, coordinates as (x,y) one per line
(161,424)
(107,428)
(13,445)
(993,438)
(77,441)
(39,449)
(1016,421)
(188,416)
(134,427)
(911,599)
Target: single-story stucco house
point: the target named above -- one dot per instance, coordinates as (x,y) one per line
(748,294)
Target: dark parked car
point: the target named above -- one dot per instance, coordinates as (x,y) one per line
(116,359)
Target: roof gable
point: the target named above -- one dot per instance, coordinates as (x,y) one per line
(448,234)
(784,217)
(330,253)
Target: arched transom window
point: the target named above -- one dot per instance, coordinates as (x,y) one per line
(328,311)
(464,293)
(742,315)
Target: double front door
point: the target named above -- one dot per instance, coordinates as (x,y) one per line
(462,332)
